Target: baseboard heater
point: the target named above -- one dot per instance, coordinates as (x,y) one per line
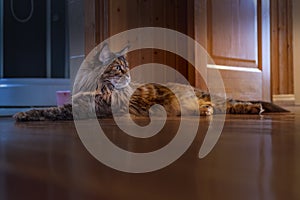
(23,94)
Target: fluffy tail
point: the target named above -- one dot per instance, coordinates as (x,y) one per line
(270,107)
(54,113)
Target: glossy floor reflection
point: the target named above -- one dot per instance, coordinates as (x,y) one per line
(256,157)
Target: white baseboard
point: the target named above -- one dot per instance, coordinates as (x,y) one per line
(286,99)
(6,112)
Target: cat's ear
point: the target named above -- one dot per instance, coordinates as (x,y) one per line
(124,51)
(105,54)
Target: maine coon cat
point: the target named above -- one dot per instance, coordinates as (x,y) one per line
(105,82)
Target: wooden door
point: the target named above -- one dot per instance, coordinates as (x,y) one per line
(236,34)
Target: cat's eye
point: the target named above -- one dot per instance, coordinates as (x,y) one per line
(119,67)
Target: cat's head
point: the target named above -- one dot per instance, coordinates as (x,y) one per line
(117,70)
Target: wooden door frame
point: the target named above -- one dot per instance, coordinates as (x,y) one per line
(265,60)
(282,47)
(96,23)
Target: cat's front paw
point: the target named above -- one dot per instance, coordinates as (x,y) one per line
(206,110)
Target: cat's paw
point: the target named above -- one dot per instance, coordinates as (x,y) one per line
(206,110)
(257,109)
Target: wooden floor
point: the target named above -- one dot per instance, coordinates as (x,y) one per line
(256,157)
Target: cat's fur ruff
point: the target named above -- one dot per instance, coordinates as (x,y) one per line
(104,83)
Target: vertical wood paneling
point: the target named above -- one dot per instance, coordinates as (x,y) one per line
(96,23)
(201,36)
(170,15)
(290,47)
(89,25)
(159,20)
(181,26)
(191,33)
(282,48)
(128,14)
(274,48)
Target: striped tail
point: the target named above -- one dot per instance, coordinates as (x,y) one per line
(54,113)
(270,107)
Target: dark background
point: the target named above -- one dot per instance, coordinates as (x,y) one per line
(25,43)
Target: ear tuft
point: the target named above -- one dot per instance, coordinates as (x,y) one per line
(124,51)
(105,54)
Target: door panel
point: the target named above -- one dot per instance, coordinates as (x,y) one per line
(233,32)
